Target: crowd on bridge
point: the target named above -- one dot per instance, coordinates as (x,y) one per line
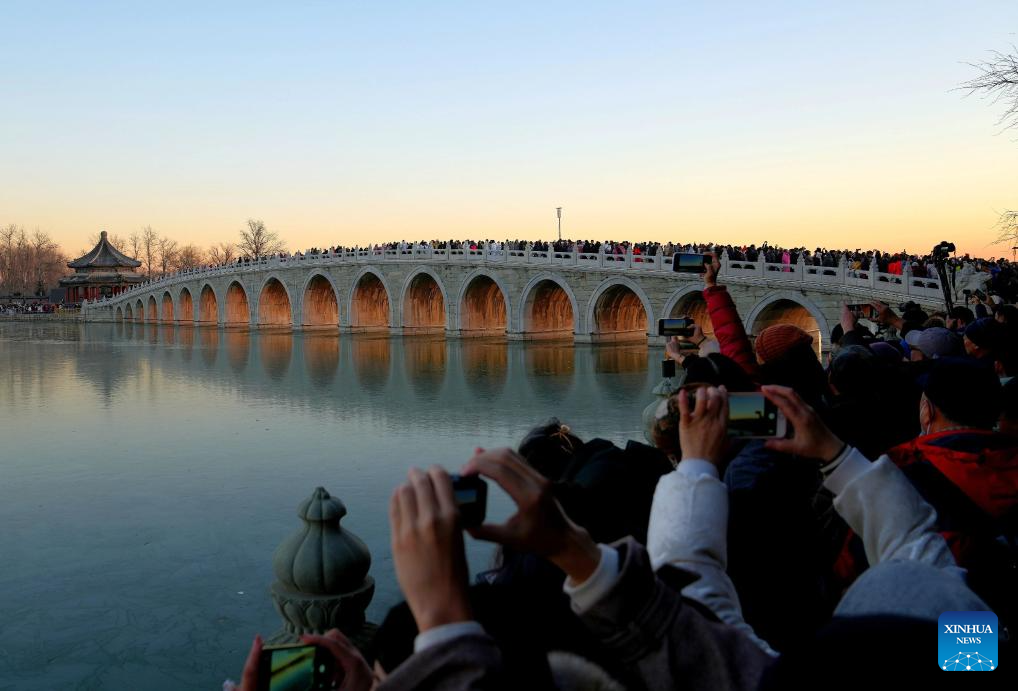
(978,276)
(819,559)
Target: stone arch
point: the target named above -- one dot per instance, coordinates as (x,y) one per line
(483,304)
(423,301)
(238,310)
(548,307)
(370,306)
(139,311)
(152,310)
(208,305)
(166,309)
(120,313)
(274,304)
(319,301)
(185,306)
(619,310)
(689,302)
(788,307)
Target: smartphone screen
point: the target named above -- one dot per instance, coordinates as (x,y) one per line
(863,311)
(690,263)
(471,496)
(291,668)
(675,326)
(752,415)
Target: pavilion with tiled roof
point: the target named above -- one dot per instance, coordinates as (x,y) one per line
(103,272)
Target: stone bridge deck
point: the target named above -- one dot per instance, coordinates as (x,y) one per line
(522,294)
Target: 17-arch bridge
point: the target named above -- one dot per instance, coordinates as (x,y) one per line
(522,294)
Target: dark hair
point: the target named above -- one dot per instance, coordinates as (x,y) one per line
(962,314)
(799,369)
(853,370)
(717,370)
(549,448)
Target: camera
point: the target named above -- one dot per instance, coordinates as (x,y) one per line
(943,249)
(470,493)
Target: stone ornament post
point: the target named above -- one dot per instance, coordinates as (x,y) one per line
(322,579)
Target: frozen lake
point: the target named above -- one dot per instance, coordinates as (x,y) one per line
(147,474)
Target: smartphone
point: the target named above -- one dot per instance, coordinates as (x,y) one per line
(752,416)
(675,326)
(471,495)
(691,263)
(295,668)
(864,311)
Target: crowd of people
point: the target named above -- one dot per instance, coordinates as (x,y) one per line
(821,559)
(996,275)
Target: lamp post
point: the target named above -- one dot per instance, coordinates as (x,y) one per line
(558,213)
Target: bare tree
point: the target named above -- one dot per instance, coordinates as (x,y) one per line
(998,81)
(149,249)
(28,264)
(1008,228)
(189,257)
(135,245)
(167,255)
(257,240)
(223,253)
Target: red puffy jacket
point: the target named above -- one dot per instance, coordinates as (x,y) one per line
(728,329)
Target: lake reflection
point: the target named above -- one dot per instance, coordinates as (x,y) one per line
(150,471)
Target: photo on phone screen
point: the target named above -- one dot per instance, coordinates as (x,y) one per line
(752,416)
(690,263)
(288,668)
(675,326)
(470,493)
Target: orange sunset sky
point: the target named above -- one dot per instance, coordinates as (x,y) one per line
(344,124)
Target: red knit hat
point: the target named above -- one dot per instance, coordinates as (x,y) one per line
(775,341)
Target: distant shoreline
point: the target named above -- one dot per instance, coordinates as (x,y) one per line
(30,317)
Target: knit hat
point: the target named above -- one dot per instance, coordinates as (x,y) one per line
(776,341)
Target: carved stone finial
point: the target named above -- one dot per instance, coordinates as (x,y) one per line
(322,579)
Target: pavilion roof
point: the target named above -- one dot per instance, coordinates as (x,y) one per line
(104,255)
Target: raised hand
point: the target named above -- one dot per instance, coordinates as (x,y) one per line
(539,526)
(710,276)
(811,437)
(703,428)
(427,549)
(848,319)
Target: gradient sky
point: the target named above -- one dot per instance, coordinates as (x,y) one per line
(342,122)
